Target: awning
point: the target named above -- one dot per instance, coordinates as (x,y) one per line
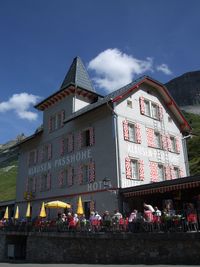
(161,187)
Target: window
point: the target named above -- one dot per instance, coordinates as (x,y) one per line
(134,169)
(86,138)
(70,176)
(132,132)
(154,111)
(129,104)
(150,109)
(157,140)
(45,182)
(161,172)
(56,121)
(32,157)
(176,172)
(173,143)
(131,128)
(31,184)
(66,144)
(45,153)
(147,110)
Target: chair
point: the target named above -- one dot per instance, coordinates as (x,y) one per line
(192,222)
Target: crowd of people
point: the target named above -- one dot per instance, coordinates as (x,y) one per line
(149,220)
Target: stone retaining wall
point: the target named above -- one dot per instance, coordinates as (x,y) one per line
(126,248)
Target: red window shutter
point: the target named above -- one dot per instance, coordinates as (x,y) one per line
(91,172)
(141,170)
(181,172)
(167,172)
(50,124)
(49,151)
(160,112)
(178,147)
(80,174)
(125,130)
(62,146)
(128,168)
(154,171)
(62,117)
(142,107)
(172,172)
(70,175)
(79,140)
(70,142)
(48,181)
(61,178)
(164,142)
(91,136)
(138,133)
(150,137)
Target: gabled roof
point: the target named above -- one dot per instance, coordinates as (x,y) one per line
(77,75)
(123,92)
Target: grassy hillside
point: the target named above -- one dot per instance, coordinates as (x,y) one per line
(8,173)
(193,144)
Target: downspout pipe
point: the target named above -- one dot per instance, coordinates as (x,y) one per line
(116,137)
(185,154)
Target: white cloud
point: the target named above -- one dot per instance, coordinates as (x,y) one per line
(20,104)
(164,68)
(115,69)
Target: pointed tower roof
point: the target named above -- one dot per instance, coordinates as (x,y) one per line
(78,75)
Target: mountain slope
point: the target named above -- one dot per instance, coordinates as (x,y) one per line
(193,143)
(8,174)
(185,89)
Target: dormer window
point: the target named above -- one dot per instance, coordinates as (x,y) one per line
(56,121)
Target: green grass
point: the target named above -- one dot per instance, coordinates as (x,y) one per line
(8,180)
(194,121)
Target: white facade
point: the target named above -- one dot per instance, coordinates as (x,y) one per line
(131,137)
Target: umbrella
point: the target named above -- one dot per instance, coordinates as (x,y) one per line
(17,213)
(57,204)
(28,211)
(6,216)
(43,211)
(80,207)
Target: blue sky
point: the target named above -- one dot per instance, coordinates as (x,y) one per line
(114,38)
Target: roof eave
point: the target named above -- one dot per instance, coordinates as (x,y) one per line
(37,106)
(30,137)
(185,127)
